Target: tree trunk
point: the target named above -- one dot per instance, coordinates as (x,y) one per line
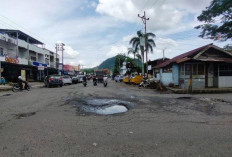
(142,55)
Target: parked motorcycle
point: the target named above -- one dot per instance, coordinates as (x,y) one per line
(144,83)
(16,87)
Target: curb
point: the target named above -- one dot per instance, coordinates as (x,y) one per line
(10,88)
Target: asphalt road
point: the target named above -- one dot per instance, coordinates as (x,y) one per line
(46,122)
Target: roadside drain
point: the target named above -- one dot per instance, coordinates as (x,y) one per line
(23,115)
(104,106)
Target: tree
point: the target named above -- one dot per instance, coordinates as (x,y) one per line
(133,51)
(149,43)
(218,20)
(88,70)
(228,48)
(120,58)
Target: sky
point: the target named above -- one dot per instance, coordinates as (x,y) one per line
(94,30)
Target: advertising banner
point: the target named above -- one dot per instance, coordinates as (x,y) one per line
(23,75)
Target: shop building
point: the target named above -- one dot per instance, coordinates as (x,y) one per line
(21,55)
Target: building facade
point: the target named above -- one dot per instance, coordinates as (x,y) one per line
(205,67)
(23,55)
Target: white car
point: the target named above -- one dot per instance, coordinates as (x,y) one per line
(66,80)
(118,78)
(80,78)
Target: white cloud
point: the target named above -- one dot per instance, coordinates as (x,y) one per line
(121,49)
(91,37)
(165,14)
(164,43)
(70,53)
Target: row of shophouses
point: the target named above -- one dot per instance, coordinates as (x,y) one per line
(23,55)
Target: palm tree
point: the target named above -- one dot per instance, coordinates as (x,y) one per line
(139,57)
(133,51)
(149,43)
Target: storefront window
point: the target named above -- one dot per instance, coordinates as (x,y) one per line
(1,51)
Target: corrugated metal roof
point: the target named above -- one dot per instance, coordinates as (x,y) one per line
(187,54)
(227,60)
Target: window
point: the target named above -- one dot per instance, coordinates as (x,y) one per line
(225,70)
(188,69)
(167,69)
(201,69)
(1,51)
(33,58)
(182,69)
(194,69)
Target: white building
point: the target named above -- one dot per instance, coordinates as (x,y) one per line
(19,51)
(123,69)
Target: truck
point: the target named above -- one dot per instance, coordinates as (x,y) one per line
(99,75)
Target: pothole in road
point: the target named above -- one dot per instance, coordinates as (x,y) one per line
(185,98)
(7,95)
(23,115)
(104,106)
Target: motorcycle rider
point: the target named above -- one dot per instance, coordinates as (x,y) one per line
(20,82)
(105,80)
(94,80)
(84,79)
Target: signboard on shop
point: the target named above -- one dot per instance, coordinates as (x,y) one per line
(23,75)
(40,67)
(60,66)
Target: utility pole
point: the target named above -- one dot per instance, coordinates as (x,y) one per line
(163,53)
(60,47)
(144,19)
(0,72)
(57,64)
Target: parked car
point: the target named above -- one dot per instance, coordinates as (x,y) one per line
(74,79)
(80,78)
(66,79)
(120,78)
(53,80)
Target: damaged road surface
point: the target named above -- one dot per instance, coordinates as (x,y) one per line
(103,106)
(119,120)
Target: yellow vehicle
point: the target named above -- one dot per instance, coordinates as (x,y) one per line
(125,79)
(134,79)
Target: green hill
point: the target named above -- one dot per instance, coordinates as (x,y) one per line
(109,63)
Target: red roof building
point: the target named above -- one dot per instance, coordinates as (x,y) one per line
(206,66)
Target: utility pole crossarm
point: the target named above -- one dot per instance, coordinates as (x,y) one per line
(145,19)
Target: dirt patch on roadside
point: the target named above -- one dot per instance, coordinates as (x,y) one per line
(23,115)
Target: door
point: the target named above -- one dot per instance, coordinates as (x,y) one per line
(210,75)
